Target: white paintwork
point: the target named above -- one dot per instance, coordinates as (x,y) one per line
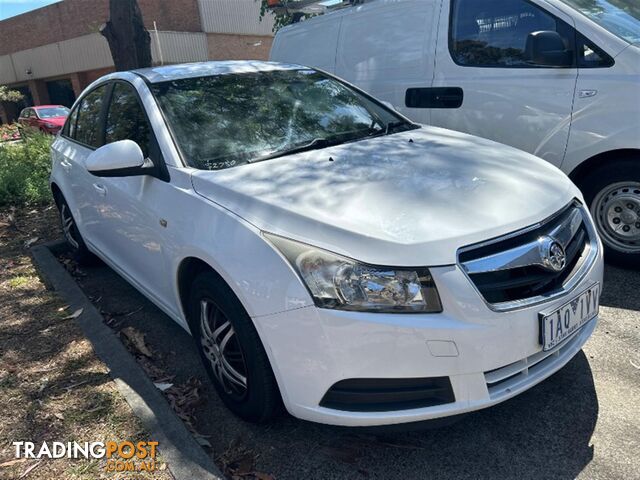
(384,201)
(387,46)
(115,156)
(429,187)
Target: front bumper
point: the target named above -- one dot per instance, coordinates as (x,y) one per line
(312,349)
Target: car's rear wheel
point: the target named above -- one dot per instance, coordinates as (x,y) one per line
(231,350)
(613,195)
(71,232)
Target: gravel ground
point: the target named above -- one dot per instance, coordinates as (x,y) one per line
(583,422)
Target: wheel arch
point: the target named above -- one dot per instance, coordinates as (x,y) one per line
(582,171)
(56,192)
(189,268)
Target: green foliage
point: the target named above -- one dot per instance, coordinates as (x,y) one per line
(281,19)
(24,170)
(7,95)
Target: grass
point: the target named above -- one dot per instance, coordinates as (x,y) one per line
(52,386)
(24,170)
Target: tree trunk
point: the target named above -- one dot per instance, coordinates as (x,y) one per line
(129,41)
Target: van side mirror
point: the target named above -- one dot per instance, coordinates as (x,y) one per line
(118,159)
(547,48)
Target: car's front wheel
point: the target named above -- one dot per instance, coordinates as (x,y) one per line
(613,195)
(231,350)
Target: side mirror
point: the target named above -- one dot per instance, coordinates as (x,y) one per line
(547,48)
(118,159)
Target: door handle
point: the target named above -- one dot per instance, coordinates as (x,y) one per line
(102,191)
(435,97)
(66,165)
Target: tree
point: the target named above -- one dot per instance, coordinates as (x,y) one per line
(129,40)
(7,95)
(282,16)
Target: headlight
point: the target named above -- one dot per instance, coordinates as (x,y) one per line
(342,283)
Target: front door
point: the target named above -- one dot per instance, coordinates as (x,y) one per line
(132,233)
(506,98)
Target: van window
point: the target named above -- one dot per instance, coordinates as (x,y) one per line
(89,121)
(494,34)
(126,119)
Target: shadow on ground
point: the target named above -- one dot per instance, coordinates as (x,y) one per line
(543,433)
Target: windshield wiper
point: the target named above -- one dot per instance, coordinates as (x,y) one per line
(400,123)
(315,144)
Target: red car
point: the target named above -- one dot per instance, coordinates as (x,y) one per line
(47,118)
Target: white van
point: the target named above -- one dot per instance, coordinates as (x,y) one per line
(556,78)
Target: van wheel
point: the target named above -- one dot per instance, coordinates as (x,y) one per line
(71,233)
(231,350)
(613,195)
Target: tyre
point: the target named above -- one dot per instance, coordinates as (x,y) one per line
(71,233)
(231,350)
(613,195)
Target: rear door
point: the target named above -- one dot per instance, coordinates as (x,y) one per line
(481,50)
(81,135)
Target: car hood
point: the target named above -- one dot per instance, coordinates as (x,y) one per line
(407,199)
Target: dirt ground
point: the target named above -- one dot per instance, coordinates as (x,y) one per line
(52,386)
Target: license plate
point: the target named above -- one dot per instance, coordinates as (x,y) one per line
(557,326)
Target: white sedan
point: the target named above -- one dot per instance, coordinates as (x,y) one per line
(325,252)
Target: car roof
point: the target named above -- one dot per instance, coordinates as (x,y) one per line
(206,69)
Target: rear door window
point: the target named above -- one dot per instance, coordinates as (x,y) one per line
(88,124)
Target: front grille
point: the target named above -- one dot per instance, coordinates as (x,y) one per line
(512,269)
(388,394)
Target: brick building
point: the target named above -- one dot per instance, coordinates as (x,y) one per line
(51,54)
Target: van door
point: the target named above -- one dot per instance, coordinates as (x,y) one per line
(311,43)
(505,95)
(387,47)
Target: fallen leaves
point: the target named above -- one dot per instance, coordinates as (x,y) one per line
(12,462)
(74,315)
(30,469)
(136,340)
(162,386)
(71,266)
(184,399)
(239,463)
(30,242)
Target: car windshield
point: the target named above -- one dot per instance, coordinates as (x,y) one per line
(620,17)
(228,120)
(51,112)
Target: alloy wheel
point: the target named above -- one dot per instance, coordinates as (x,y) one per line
(68,226)
(616,212)
(222,349)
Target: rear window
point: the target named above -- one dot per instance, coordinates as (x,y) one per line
(53,112)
